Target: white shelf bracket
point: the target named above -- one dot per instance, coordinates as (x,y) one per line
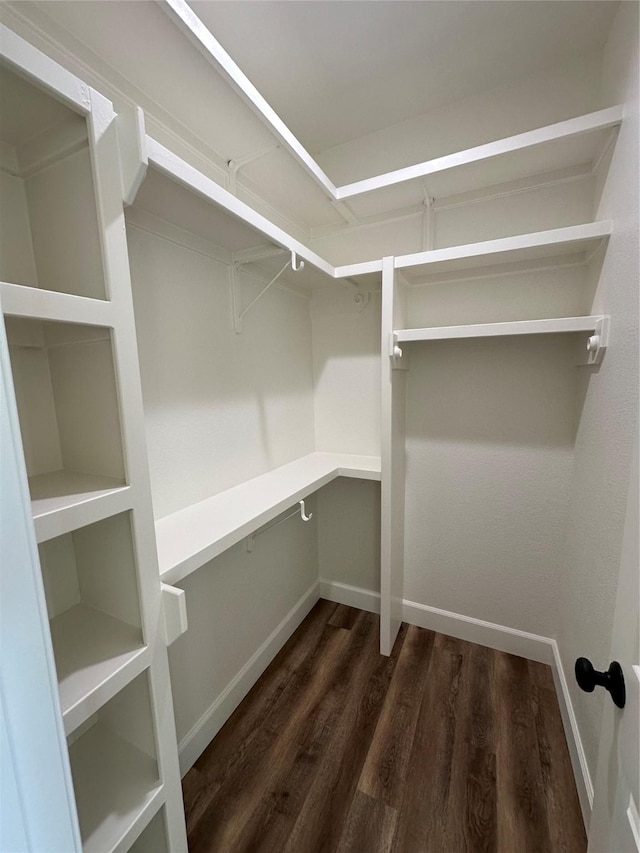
(395,353)
(295,264)
(132,150)
(597,342)
(174,606)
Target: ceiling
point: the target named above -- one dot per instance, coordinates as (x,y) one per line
(336,71)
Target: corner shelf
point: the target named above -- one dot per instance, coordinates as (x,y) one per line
(189,538)
(489,330)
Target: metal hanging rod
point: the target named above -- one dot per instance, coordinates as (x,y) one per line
(301,511)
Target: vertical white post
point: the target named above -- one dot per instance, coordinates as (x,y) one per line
(393,463)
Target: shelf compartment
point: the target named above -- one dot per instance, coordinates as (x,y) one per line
(93,602)
(487,330)
(153,839)
(189,538)
(21,301)
(48,197)
(577,241)
(69,416)
(115,771)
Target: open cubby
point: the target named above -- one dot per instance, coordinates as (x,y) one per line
(115,769)
(93,602)
(153,839)
(68,409)
(48,220)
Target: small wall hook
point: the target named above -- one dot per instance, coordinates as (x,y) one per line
(303,512)
(296,265)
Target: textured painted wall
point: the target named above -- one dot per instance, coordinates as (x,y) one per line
(605,435)
(490,428)
(220,408)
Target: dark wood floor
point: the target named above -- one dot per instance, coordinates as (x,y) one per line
(443,747)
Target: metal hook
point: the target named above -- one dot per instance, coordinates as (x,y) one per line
(303,512)
(296,265)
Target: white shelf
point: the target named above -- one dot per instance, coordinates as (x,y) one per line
(489,330)
(191,537)
(572,240)
(116,786)
(96,655)
(22,301)
(65,500)
(545,149)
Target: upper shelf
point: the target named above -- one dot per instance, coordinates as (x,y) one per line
(578,140)
(191,537)
(574,239)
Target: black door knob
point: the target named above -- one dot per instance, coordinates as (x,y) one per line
(612,680)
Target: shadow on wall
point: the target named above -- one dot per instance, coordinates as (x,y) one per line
(517,391)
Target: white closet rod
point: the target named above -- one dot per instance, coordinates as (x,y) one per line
(301,511)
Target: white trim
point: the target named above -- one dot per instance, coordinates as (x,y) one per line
(581,773)
(524,644)
(205,729)
(352,596)
(494,636)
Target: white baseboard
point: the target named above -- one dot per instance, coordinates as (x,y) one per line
(572,734)
(521,643)
(205,729)
(499,637)
(352,596)
(503,639)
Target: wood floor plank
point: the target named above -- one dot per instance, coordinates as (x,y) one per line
(241,784)
(319,824)
(300,761)
(369,826)
(383,774)
(344,617)
(421,815)
(443,747)
(471,811)
(247,732)
(566,829)
(522,819)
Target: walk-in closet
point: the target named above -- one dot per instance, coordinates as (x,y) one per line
(319,426)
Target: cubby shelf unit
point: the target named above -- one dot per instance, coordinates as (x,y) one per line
(191,537)
(66,302)
(115,771)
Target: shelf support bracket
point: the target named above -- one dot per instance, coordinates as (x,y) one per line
(295,264)
(174,606)
(396,353)
(598,341)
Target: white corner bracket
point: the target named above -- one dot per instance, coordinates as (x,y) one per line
(174,606)
(294,262)
(597,342)
(396,353)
